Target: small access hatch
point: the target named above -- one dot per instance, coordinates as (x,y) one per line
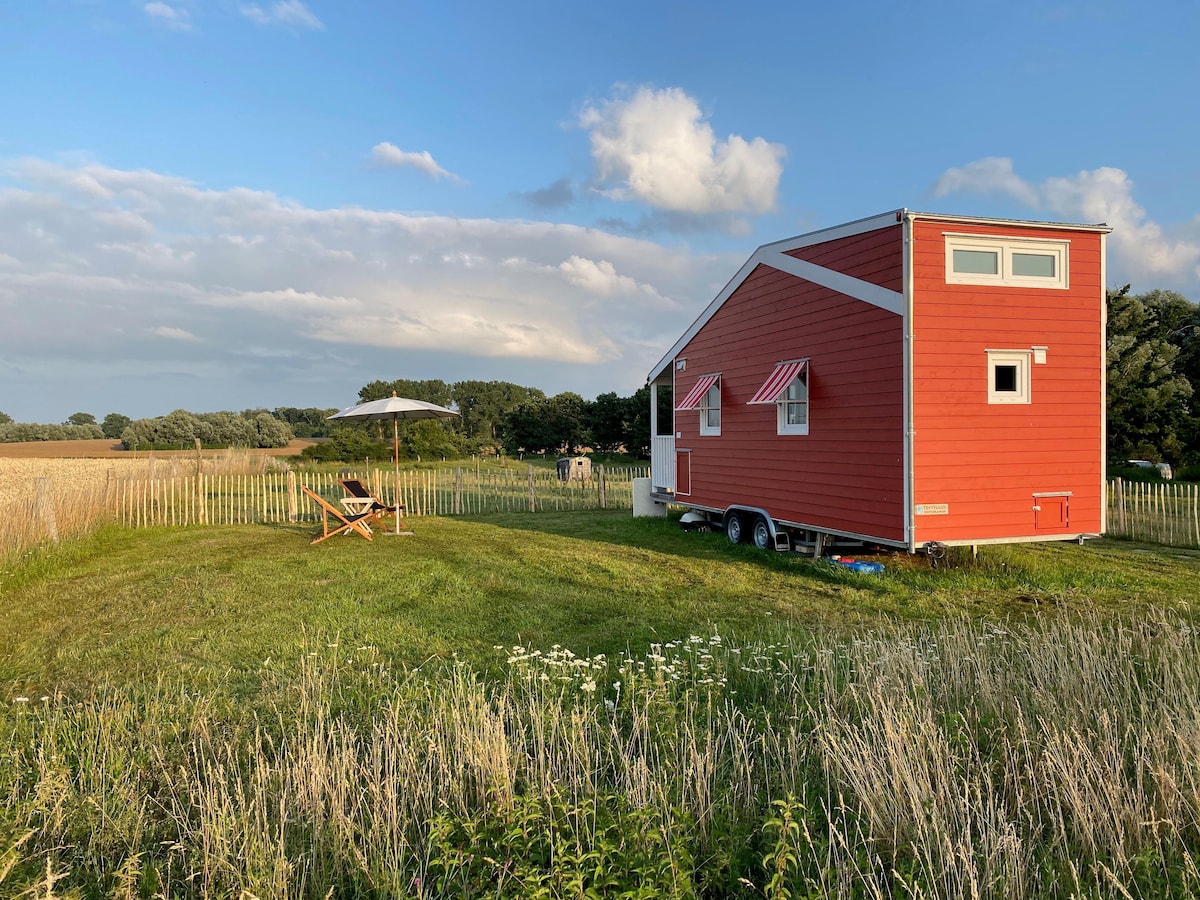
(1052,512)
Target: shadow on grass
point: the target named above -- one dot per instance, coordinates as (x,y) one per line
(664,535)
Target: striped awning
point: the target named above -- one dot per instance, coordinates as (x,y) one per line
(775,386)
(692,400)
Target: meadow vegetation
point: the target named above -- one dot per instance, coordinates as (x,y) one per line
(583,704)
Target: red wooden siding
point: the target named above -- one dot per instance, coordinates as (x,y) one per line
(985,462)
(873,256)
(847,474)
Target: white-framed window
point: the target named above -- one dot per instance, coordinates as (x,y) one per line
(1008,374)
(710,411)
(1013,262)
(793,406)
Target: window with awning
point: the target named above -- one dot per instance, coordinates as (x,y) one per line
(779,381)
(696,394)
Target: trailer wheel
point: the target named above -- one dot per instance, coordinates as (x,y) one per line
(762,534)
(733,527)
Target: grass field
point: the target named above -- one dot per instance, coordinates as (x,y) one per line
(552,704)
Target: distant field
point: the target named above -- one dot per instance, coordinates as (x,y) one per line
(104,449)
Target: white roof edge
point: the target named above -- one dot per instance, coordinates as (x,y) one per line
(1101,227)
(858,226)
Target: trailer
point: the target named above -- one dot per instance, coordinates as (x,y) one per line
(909,380)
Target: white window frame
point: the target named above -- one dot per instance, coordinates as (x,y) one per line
(1020,359)
(1004,248)
(706,407)
(782,425)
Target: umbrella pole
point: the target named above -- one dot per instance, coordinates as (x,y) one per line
(396,469)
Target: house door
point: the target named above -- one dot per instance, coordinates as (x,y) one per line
(1051,512)
(683,472)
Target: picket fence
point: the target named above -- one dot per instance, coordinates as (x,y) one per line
(275,497)
(1158,512)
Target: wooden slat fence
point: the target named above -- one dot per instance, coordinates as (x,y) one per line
(1158,512)
(275,497)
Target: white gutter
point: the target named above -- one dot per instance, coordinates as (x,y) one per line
(910,524)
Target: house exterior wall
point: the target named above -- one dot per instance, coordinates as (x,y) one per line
(978,467)
(847,474)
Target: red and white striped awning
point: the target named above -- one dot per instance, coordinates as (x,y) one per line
(692,400)
(775,386)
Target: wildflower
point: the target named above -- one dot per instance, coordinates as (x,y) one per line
(589,686)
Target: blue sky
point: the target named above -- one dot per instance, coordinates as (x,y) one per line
(217,204)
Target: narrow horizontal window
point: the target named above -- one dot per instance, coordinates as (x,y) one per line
(977,262)
(1033,265)
(1005,261)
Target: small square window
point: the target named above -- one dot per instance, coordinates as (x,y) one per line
(1008,376)
(710,411)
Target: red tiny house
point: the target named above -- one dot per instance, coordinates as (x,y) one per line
(946,385)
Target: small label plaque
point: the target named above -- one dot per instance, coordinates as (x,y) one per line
(933,509)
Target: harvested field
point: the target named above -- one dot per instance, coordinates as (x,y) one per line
(106,449)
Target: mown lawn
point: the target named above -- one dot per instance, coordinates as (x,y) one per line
(213,601)
(587,705)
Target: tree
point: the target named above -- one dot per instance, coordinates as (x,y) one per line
(606,418)
(545,425)
(482,406)
(114,425)
(5,419)
(1149,395)
(80,418)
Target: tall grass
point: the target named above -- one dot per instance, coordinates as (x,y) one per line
(961,759)
(84,493)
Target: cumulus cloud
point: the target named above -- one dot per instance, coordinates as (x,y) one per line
(655,146)
(174,334)
(601,277)
(385,155)
(173,17)
(286,12)
(1140,248)
(258,290)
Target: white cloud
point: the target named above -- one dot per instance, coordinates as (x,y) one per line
(655,146)
(1140,248)
(601,277)
(991,175)
(174,334)
(261,291)
(285,12)
(385,155)
(173,17)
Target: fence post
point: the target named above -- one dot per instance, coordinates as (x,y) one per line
(202,498)
(293,506)
(602,484)
(458,491)
(532,492)
(44,508)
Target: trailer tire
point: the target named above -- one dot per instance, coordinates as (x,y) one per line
(734,529)
(761,533)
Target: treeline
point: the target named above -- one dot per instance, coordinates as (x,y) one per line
(496,416)
(1153,377)
(251,428)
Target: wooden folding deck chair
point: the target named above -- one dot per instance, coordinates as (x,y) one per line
(359,523)
(371,504)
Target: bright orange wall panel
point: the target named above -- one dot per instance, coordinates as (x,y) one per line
(984,462)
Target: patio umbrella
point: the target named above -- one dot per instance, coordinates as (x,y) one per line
(394,408)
